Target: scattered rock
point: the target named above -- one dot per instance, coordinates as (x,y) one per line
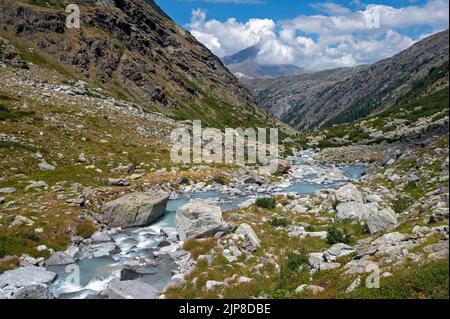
(22,220)
(7,190)
(211,284)
(384,219)
(337,251)
(118,182)
(105,249)
(36,185)
(44,166)
(309,288)
(355,284)
(100,237)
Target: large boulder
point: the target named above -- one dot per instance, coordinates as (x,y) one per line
(59,258)
(354,211)
(199,220)
(130,289)
(382,220)
(349,193)
(26,276)
(33,292)
(135,210)
(276,167)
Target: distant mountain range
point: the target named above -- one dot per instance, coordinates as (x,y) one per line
(244,65)
(342,95)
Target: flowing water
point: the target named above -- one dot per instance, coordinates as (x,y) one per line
(91,275)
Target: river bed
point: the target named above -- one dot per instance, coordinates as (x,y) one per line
(91,275)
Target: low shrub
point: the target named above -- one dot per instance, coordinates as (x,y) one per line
(266,202)
(336,235)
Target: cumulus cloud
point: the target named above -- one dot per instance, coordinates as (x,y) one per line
(229,37)
(339,37)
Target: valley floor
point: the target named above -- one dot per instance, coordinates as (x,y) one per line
(67,148)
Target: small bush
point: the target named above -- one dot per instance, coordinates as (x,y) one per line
(185,180)
(288,152)
(335,236)
(266,202)
(32,236)
(279,294)
(296,260)
(219,180)
(290,269)
(400,205)
(279,222)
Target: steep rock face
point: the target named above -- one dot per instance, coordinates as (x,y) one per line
(281,95)
(133,50)
(343,95)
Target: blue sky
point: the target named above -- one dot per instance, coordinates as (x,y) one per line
(313,34)
(180,10)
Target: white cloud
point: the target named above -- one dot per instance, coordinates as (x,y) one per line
(229,37)
(340,38)
(331,8)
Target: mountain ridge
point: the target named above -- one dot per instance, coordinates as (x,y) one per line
(306,104)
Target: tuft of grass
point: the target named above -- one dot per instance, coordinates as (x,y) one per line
(266,202)
(13,115)
(10,144)
(9,263)
(292,271)
(199,247)
(219,180)
(85,229)
(279,222)
(401,204)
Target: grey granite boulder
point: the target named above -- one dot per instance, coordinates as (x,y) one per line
(354,211)
(26,276)
(199,220)
(59,258)
(384,219)
(130,289)
(135,210)
(349,193)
